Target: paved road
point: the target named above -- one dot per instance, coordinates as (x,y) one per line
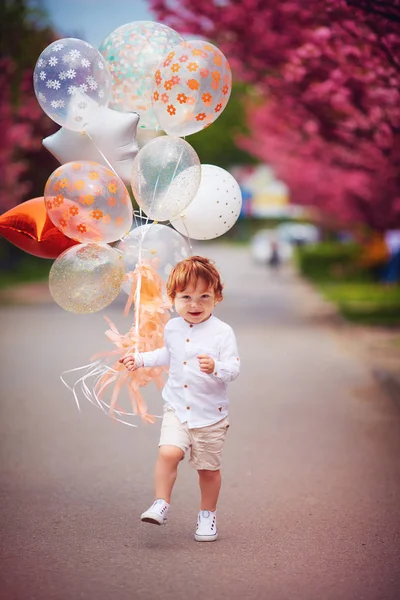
(310,506)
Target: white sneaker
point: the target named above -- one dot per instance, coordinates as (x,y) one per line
(206,526)
(157,513)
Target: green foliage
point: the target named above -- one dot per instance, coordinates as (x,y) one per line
(216,145)
(364,302)
(24,33)
(21,267)
(335,269)
(331,261)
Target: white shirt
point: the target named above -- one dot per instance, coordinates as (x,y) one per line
(198,398)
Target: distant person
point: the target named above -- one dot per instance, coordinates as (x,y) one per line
(274,260)
(391,272)
(203,358)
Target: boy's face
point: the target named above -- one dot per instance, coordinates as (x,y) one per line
(196,302)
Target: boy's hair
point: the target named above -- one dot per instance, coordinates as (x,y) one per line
(189,271)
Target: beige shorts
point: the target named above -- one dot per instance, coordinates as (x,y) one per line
(205,443)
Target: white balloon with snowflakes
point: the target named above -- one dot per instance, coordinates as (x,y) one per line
(71,81)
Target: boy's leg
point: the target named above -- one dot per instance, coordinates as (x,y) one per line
(205,456)
(166,470)
(207,444)
(164,479)
(210,485)
(174,441)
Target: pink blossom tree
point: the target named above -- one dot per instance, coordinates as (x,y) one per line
(327,75)
(23,161)
(22,127)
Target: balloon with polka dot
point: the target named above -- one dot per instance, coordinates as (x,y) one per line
(215,207)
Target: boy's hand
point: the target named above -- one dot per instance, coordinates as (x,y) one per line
(129,362)
(206,363)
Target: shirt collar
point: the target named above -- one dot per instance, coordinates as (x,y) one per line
(197,325)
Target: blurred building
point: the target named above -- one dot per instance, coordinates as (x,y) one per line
(264,196)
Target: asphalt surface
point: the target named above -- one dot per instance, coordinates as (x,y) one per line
(310,504)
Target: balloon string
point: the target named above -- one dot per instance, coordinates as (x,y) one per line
(102,155)
(187,235)
(189,239)
(108,163)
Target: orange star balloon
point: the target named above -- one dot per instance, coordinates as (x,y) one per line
(28,227)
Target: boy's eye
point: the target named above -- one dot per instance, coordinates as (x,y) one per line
(205,296)
(185,297)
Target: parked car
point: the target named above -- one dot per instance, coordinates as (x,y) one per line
(298,233)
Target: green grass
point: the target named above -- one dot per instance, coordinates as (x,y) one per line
(365,302)
(27,269)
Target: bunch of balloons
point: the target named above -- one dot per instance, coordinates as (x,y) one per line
(123,111)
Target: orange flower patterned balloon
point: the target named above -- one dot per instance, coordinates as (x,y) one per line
(88,202)
(28,227)
(192,86)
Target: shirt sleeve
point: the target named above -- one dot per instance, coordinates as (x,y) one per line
(228,366)
(156,358)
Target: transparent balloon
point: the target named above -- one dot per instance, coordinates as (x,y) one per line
(191,87)
(71,81)
(215,208)
(132,53)
(88,202)
(86,278)
(158,245)
(165,177)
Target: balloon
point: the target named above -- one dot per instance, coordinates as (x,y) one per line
(88,202)
(110,136)
(86,278)
(132,53)
(144,136)
(165,177)
(215,208)
(29,227)
(159,245)
(71,80)
(191,88)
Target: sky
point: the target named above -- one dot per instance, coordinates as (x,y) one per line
(93,20)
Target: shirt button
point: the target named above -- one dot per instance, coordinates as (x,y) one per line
(189,341)
(185,385)
(215,373)
(191,325)
(188,408)
(184,362)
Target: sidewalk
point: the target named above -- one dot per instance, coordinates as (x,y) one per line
(378,347)
(26,293)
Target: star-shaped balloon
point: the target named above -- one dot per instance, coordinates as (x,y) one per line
(29,227)
(108,139)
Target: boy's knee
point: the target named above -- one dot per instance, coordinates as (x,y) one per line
(207,474)
(171,453)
